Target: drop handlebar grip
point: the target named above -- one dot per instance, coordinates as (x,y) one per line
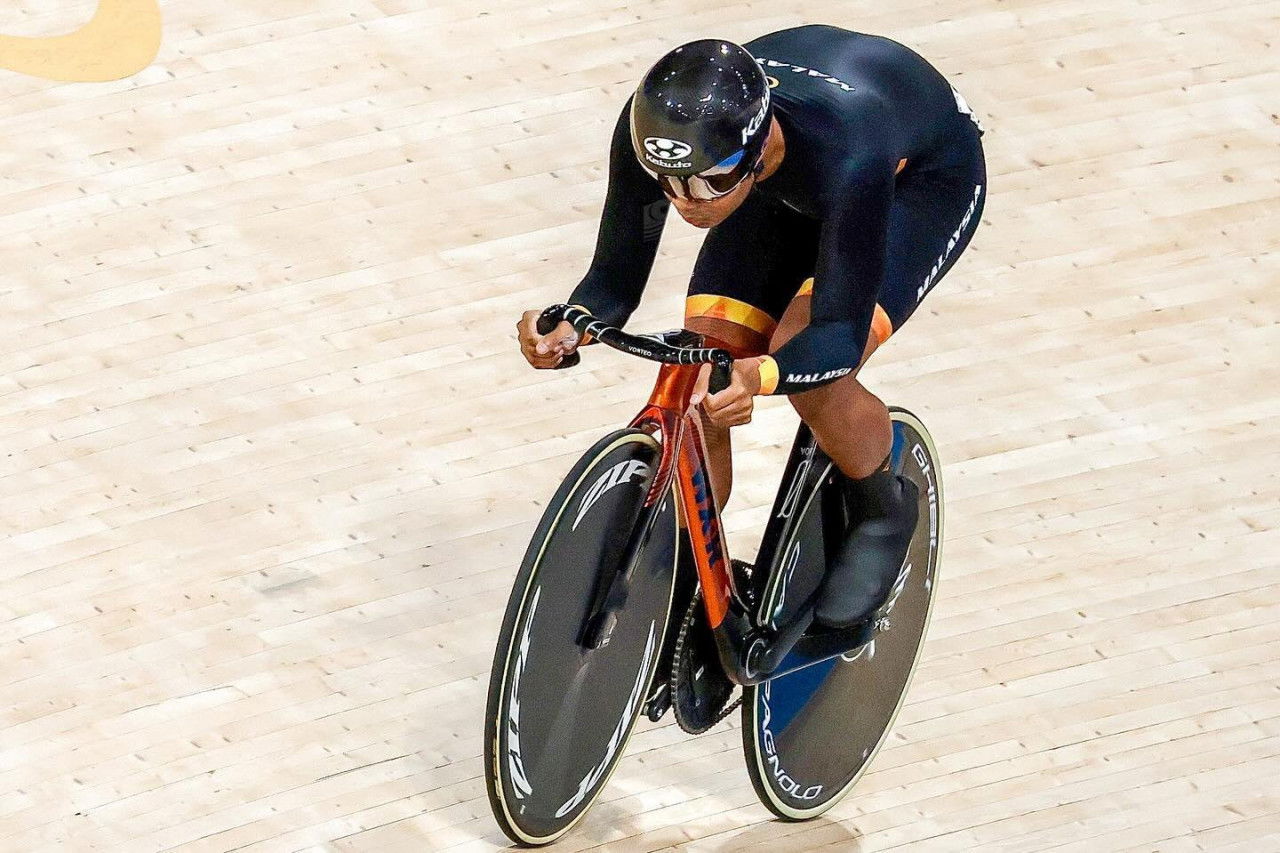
(664,347)
(720,376)
(545,326)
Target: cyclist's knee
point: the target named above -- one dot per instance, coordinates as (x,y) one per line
(832,402)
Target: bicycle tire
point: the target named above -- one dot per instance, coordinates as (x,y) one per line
(558,716)
(810,735)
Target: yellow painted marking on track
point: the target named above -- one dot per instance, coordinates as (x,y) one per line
(122,38)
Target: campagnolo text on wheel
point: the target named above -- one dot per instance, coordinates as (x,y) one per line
(840,177)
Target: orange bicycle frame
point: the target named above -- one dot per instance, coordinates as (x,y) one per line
(684,457)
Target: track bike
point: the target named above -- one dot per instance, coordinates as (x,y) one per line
(627,602)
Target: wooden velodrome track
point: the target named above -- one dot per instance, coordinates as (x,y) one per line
(269,456)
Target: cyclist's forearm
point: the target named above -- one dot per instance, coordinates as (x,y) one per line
(611,294)
(821,353)
(624,256)
(631,224)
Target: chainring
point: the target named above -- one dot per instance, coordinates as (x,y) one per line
(700,690)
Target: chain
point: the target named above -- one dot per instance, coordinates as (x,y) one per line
(677,659)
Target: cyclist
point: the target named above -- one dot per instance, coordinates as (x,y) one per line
(840,176)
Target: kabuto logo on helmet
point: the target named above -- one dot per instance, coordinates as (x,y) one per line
(666,150)
(750,130)
(713,94)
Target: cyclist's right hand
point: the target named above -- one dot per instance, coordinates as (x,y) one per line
(545,351)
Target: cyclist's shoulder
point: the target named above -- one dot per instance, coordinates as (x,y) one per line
(821,70)
(861,62)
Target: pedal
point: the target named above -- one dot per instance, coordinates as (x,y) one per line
(771,656)
(659,703)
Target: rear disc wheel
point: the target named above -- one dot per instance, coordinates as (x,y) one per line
(809,735)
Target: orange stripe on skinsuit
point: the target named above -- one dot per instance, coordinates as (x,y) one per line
(732,310)
(881,325)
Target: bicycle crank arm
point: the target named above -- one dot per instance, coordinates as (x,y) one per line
(815,648)
(770,657)
(658,703)
(763,659)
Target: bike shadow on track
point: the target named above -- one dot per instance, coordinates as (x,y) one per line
(771,836)
(778,836)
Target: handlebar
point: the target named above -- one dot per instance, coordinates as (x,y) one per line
(678,347)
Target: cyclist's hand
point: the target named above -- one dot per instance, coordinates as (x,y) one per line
(544,351)
(732,406)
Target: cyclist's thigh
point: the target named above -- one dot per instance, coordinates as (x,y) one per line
(749,268)
(933,217)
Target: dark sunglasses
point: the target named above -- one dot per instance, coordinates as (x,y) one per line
(720,180)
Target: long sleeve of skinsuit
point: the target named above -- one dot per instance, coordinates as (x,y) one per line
(635,211)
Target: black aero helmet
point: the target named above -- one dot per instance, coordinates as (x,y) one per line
(703,109)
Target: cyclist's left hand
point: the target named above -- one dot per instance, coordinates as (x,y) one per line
(732,406)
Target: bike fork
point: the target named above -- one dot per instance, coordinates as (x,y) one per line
(611,595)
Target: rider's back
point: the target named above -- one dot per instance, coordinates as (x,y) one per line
(833,81)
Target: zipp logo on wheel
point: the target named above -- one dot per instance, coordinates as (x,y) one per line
(618,474)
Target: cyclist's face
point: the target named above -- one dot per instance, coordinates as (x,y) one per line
(711,212)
